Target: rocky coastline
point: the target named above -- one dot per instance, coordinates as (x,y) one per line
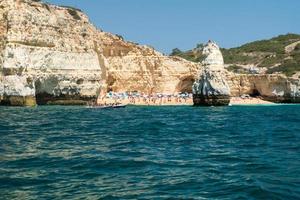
(53,55)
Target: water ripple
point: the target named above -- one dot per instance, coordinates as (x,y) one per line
(150,153)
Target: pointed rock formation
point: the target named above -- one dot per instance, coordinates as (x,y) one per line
(211,88)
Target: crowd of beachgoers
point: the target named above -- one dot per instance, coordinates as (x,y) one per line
(136,98)
(159,99)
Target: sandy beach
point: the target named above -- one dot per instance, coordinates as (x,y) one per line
(248,101)
(183,102)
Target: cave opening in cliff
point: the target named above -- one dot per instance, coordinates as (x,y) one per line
(255,93)
(38,94)
(186,84)
(43,88)
(110,83)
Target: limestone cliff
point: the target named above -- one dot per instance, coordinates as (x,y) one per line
(275,88)
(133,67)
(51,54)
(47,54)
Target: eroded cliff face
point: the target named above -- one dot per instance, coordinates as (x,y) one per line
(133,67)
(53,55)
(275,88)
(48,54)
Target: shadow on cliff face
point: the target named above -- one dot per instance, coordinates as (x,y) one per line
(48,92)
(255,93)
(110,82)
(186,84)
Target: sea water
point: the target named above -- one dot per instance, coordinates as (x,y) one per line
(242,152)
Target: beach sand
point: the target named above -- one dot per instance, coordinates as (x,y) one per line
(248,101)
(187,102)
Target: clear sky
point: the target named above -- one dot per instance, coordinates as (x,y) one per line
(166,24)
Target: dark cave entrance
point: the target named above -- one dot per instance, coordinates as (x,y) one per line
(110,83)
(255,93)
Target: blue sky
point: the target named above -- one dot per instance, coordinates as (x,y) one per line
(166,24)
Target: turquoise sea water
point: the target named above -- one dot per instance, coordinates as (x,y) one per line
(244,152)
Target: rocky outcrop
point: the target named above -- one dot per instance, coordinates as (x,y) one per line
(18,91)
(215,84)
(211,88)
(48,55)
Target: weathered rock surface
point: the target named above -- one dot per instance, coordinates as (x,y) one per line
(47,54)
(132,67)
(17,90)
(213,57)
(211,88)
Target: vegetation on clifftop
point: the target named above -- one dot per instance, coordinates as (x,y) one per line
(269,54)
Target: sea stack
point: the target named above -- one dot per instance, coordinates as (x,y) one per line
(211,88)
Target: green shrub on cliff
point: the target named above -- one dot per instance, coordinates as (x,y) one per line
(288,67)
(176,52)
(237,69)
